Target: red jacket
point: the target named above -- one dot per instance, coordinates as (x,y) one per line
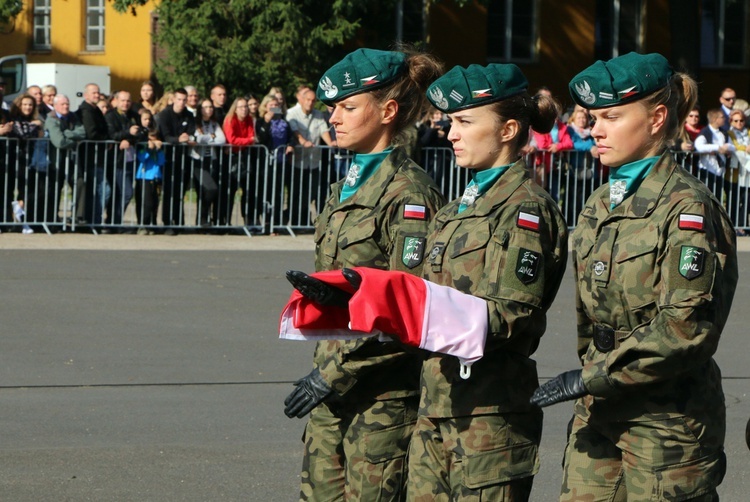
(544,141)
(239,133)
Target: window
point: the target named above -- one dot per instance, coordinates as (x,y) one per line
(511,31)
(95,25)
(619,28)
(723,32)
(41,28)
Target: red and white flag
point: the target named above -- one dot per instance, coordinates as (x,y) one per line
(415,212)
(691,221)
(419,312)
(528,220)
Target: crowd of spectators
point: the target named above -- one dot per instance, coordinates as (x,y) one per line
(210,140)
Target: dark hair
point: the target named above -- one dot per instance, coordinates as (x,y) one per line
(539,113)
(15,107)
(409,89)
(679,97)
(181,90)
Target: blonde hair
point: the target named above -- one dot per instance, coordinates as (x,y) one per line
(679,96)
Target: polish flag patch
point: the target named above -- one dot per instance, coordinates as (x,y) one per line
(370,80)
(415,212)
(691,222)
(528,221)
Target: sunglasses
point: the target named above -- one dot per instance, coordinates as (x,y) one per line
(729,99)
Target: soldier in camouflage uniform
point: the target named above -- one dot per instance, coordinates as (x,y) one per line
(364,392)
(505,242)
(656,268)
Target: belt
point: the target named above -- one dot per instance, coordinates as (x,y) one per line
(607,339)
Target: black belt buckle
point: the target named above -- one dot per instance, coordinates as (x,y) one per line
(604,338)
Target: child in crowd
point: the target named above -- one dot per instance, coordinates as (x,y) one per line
(148,176)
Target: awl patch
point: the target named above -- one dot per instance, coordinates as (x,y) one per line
(527,265)
(413,251)
(691,261)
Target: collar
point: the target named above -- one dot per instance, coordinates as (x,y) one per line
(376,184)
(645,199)
(497,194)
(481,181)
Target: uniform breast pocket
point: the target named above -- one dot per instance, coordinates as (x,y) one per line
(357,233)
(635,267)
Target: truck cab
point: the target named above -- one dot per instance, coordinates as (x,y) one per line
(13,70)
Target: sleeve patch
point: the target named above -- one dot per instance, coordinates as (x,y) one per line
(415,212)
(527,265)
(691,222)
(528,221)
(691,261)
(413,252)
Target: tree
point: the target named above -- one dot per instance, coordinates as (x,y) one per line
(9,9)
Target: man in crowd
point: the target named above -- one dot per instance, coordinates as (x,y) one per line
(727,99)
(35,92)
(713,146)
(219,100)
(97,161)
(310,127)
(193,99)
(123,126)
(176,127)
(48,95)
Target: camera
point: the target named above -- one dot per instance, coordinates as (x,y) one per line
(276,112)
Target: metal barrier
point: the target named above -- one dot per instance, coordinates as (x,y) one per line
(102,188)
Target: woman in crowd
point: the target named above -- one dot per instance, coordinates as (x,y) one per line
(148,175)
(364,394)
(31,170)
(274,132)
(581,172)
(208,136)
(739,166)
(166,100)
(148,97)
(686,139)
(546,148)
(432,133)
(240,133)
(656,269)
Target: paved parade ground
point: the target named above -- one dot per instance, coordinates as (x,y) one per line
(147,368)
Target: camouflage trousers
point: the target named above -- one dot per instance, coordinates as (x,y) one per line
(485,457)
(357,451)
(671,458)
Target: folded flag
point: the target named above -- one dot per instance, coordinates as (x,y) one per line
(419,312)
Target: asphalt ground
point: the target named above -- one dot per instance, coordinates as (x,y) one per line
(147,368)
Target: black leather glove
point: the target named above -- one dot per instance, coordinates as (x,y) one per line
(352,277)
(310,391)
(563,387)
(747,434)
(317,290)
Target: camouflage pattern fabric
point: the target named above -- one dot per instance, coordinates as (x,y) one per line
(509,247)
(376,385)
(660,270)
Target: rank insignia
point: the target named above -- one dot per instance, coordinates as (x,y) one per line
(527,265)
(413,251)
(691,261)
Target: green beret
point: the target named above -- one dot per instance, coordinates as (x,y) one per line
(476,85)
(360,71)
(620,80)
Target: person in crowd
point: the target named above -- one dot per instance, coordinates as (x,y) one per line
(7,171)
(277,93)
(65,131)
(166,100)
(655,266)
(28,128)
(274,132)
(311,129)
(124,127)
(365,393)
(727,100)
(432,134)
(685,142)
(208,136)
(581,168)
(35,92)
(193,100)
(148,176)
(713,147)
(48,95)
(739,167)
(218,97)
(545,147)
(148,98)
(94,177)
(239,132)
(3,105)
(176,127)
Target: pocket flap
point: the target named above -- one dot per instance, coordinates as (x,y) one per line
(469,237)
(501,465)
(358,232)
(388,444)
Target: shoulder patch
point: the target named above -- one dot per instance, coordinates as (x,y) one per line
(415,212)
(691,222)
(527,265)
(413,251)
(528,221)
(691,261)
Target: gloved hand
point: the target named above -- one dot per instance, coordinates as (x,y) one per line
(563,387)
(747,434)
(310,391)
(317,290)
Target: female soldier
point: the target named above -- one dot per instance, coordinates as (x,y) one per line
(363,391)
(496,259)
(656,269)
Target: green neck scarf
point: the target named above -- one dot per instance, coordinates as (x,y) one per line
(625,180)
(481,181)
(363,167)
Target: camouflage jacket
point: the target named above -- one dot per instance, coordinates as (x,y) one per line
(373,229)
(491,250)
(660,270)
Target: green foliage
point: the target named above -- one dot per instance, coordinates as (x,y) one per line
(123,6)
(251,45)
(9,9)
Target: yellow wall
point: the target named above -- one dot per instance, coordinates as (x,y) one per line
(127,43)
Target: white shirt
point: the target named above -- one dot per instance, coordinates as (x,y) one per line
(710,158)
(311,127)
